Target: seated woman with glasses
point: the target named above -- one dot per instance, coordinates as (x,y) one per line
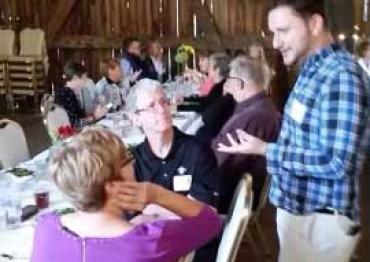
(95,173)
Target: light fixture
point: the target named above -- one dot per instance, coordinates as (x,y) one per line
(263,34)
(341,37)
(355,37)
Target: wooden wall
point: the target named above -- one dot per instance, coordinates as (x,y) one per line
(91,29)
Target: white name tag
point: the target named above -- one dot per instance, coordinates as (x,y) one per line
(182,183)
(297,111)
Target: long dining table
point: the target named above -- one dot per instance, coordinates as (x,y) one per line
(16,244)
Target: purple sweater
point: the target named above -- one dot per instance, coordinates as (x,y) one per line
(163,240)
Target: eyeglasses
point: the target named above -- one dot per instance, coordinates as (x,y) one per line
(242,82)
(163,102)
(129,160)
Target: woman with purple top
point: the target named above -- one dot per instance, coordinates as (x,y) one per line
(95,173)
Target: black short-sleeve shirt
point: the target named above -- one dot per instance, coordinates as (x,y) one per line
(66,98)
(187,154)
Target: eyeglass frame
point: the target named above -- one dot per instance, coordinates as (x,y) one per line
(237,78)
(152,108)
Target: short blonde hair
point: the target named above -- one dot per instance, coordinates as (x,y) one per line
(108,64)
(82,167)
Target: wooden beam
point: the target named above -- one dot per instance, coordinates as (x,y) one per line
(97,43)
(207,26)
(58,17)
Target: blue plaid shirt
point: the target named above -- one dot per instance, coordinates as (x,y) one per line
(322,146)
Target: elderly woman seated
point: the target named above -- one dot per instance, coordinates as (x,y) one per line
(95,173)
(112,88)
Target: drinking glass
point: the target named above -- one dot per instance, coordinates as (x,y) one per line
(13,216)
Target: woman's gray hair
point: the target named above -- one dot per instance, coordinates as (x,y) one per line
(145,85)
(248,69)
(220,61)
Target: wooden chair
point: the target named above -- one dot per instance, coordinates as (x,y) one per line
(236,220)
(27,72)
(7,48)
(258,240)
(13,145)
(3,77)
(55,118)
(7,43)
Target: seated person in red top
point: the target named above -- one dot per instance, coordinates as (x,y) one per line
(95,173)
(255,114)
(200,78)
(217,70)
(75,77)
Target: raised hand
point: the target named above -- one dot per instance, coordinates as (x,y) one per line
(133,195)
(245,144)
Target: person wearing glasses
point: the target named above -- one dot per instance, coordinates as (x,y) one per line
(254,113)
(170,158)
(167,156)
(113,87)
(95,173)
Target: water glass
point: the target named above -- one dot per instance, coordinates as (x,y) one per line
(102,100)
(13,216)
(2,216)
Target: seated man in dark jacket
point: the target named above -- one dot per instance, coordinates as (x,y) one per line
(254,113)
(132,64)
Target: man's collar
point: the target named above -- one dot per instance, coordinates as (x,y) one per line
(149,153)
(250,101)
(315,58)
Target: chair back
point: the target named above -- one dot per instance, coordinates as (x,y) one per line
(56,117)
(7,40)
(13,145)
(263,195)
(236,220)
(32,42)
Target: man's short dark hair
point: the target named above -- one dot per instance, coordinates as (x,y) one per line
(304,8)
(128,41)
(73,68)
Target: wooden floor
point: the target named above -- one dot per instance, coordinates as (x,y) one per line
(38,140)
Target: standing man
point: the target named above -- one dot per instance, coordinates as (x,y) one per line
(317,161)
